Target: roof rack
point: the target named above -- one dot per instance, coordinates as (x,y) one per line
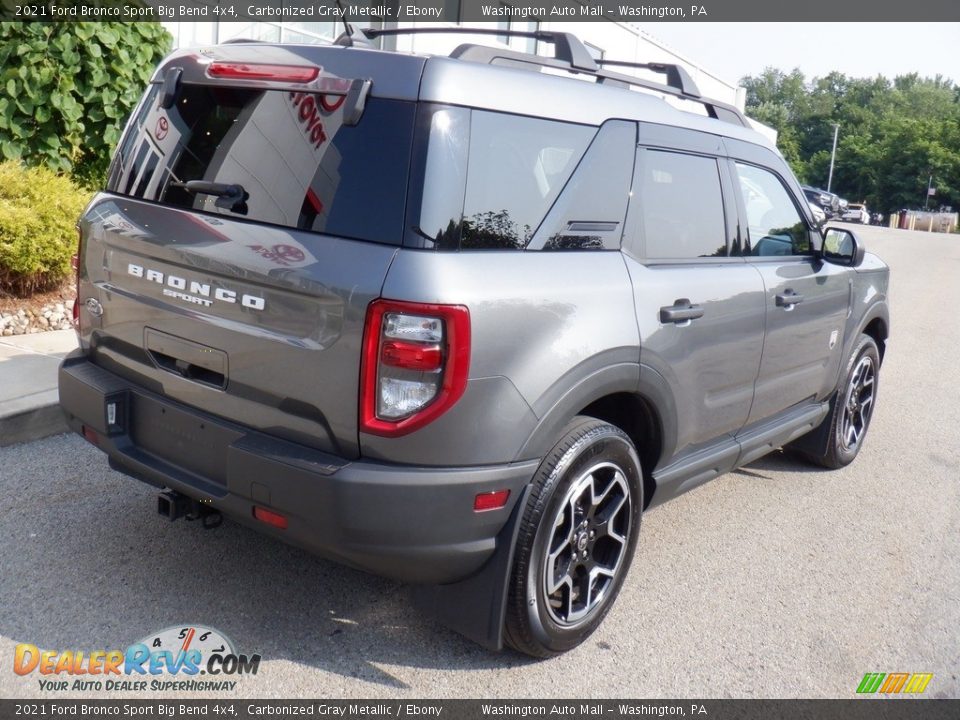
(568,47)
(572,56)
(677,76)
(681,85)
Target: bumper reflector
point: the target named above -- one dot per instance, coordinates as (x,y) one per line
(90,435)
(491,500)
(269,517)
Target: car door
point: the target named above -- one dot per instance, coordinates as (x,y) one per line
(807,300)
(700,309)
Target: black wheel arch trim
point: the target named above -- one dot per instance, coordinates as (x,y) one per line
(635,379)
(879,310)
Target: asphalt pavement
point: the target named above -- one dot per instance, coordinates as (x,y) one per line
(780,580)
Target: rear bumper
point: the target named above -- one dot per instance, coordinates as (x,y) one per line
(414,524)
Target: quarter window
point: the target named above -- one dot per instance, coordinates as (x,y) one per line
(775,226)
(517,168)
(589,212)
(681,205)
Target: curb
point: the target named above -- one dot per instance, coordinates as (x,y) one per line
(32,424)
(29,392)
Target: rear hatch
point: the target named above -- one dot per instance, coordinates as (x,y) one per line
(252,210)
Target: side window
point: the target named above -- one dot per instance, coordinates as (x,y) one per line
(681,205)
(774,223)
(516,169)
(589,213)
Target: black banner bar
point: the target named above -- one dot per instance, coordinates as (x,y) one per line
(862,709)
(638,11)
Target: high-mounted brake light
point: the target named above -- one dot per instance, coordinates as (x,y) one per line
(250,71)
(415,363)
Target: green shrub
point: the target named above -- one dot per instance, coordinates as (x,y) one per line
(38,216)
(66,89)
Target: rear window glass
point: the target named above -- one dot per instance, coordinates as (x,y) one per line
(297,163)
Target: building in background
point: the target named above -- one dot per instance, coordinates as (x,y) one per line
(604,40)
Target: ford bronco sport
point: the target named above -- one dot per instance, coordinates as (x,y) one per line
(459,320)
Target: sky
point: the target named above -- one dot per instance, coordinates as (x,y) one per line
(732,50)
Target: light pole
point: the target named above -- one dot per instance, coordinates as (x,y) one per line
(833,154)
(926,202)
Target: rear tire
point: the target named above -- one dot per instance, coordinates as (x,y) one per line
(577,537)
(851,408)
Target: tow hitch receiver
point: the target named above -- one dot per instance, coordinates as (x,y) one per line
(173,505)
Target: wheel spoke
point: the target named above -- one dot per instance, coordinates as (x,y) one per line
(851,435)
(557,575)
(564,581)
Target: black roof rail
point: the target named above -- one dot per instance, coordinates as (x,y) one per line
(567,47)
(572,55)
(490,55)
(677,76)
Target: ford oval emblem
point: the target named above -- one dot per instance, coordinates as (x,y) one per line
(94,307)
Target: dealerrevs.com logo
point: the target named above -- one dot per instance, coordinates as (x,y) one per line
(170,660)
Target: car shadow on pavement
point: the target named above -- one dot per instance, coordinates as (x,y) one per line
(780,461)
(98,568)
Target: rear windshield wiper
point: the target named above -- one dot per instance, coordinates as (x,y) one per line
(231,195)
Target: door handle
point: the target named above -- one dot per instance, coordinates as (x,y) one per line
(788,298)
(681,311)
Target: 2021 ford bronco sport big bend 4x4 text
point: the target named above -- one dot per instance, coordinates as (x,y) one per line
(458,321)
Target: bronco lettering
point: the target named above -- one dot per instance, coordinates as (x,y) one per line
(198,290)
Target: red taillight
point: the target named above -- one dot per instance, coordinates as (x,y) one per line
(411,355)
(269,517)
(249,71)
(490,501)
(416,357)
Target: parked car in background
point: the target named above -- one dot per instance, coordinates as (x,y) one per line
(843,204)
(828,201)
(856,213)
(819,215)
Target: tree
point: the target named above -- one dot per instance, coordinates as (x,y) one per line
(69,87)
(893,135)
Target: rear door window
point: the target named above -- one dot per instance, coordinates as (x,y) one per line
(299,165)
(681,206)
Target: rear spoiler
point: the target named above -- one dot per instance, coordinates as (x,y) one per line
(272,68)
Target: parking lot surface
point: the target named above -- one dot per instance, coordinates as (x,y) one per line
(780,580)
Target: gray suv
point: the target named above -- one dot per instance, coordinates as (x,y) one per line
(459,320)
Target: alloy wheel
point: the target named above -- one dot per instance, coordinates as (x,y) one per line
(587,545)
(858,404)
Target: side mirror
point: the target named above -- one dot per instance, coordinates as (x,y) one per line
(842,247)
